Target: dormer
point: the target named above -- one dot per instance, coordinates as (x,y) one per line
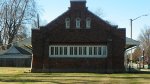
(78,4)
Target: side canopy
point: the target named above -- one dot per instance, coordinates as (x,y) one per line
(131,43)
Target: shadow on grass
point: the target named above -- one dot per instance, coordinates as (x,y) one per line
(56,81)
(60,78)
(39,75)
(19,80)
(130,77)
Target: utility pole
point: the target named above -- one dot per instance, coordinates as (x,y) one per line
(131,21)
(143,58)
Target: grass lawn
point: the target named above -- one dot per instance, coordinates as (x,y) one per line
(22,76)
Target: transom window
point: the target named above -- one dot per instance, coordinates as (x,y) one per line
(77,51)
(78,22)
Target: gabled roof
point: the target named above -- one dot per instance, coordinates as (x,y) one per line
(60,19)
(54,22)
(18,50)
(22,50)
(12,50)
(25,44)
(81,35)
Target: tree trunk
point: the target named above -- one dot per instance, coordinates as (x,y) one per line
(10,40)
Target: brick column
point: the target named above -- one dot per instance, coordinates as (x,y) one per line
(37,49)
(109,58)
(46,58)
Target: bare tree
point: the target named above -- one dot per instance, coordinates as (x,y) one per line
(137,54)
(144,39)
(15,15)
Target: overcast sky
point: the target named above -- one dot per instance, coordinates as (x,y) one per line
(118,12)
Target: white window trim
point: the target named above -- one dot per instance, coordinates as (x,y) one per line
(87,51)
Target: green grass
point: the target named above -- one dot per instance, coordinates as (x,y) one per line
(23,76)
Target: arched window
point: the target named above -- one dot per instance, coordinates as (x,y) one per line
(78,22)
(88,23)
(67,21)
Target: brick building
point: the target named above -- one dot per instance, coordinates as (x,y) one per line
(78,41)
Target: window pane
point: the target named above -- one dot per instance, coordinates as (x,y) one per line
(56,50)
(95,50)
(61,50)
(78,23)
(67,23)
(84,50)
(75,50)
(65,50)
(88,23)
(104,50)
(52,50)
(90,50)
(99,51)
(80,50)
(71,50)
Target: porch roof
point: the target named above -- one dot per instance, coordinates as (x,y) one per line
(131,43)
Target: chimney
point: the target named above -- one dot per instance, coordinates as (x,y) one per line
(78,4)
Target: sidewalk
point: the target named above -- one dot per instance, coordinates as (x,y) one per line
(148,70)
(145,67)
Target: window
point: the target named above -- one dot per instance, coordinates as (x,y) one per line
(65,50)
(71,50)
(99,51)
(75,51)
(78,51)
(52,50)
(88,23)
(84,51)
(61,50)
(90,50)
(104,50)
(56,50)
(78,23)
(95,50)
(67,21)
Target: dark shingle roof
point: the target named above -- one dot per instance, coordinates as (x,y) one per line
(19,48)
(22,50)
